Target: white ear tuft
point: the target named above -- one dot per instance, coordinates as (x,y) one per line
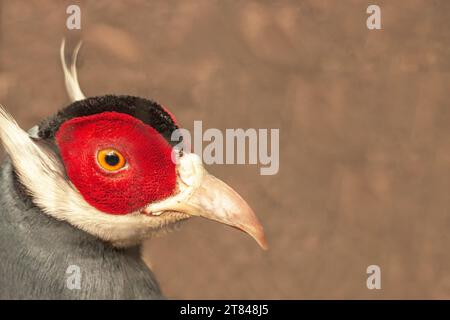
(70,74)
(26,155)
(13,137)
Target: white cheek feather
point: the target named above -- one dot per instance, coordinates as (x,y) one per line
(42,174)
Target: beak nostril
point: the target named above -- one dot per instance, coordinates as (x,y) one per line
(190,169)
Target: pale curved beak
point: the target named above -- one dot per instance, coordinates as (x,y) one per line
(215,200)
(206,196)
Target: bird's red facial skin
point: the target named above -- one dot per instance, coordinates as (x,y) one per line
(149,174)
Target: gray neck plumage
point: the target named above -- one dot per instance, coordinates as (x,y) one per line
(43,258)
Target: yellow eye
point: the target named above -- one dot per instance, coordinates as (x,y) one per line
(111,160)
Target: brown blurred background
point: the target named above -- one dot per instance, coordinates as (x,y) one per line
(364,130)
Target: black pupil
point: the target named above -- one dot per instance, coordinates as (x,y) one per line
(112,159)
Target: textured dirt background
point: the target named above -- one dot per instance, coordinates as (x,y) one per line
(364,126)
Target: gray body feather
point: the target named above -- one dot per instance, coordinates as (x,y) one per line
(36,251)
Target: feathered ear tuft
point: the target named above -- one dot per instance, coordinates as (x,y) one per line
(70,74)
(13,137)
(28,157)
